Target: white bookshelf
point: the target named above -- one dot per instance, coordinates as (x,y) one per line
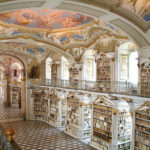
(78,118)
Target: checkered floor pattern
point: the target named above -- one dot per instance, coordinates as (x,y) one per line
(37,135)
(9,112)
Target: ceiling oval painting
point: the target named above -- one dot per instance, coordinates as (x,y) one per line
(45,19)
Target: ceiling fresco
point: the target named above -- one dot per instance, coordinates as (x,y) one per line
(45,19)
(31,50)
(99,35)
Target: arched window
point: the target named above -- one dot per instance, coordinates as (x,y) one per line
(127,62)
(89,66)
(48,68)
(64,68)
(133,67)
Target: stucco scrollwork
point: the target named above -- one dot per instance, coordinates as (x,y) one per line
(77,52)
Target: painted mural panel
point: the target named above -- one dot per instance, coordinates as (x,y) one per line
(33,70)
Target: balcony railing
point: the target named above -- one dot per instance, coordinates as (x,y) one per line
(118,87)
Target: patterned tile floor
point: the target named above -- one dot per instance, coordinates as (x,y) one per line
(8,112)
(37,135)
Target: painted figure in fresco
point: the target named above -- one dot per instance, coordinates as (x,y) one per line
(140,7)
(34,73)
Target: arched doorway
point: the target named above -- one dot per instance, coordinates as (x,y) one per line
(14,85)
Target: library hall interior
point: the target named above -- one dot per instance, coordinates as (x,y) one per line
(74,74)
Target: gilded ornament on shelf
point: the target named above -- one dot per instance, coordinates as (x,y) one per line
(115,111)
(81,103)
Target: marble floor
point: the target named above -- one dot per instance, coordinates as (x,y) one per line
(9,113)
(37,135)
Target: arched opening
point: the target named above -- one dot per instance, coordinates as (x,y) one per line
(127,63)
(13,86)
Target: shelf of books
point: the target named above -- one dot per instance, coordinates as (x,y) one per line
(112,125)
(63,112)
(102,124)
(57,111)
(78,117)
(54,71)
(40,98)
(73,77)
(142,127)
(145,78)
(15,96)
(124,118)
(86,110)
(104,73)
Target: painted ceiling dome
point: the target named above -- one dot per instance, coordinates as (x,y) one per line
(45,18)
